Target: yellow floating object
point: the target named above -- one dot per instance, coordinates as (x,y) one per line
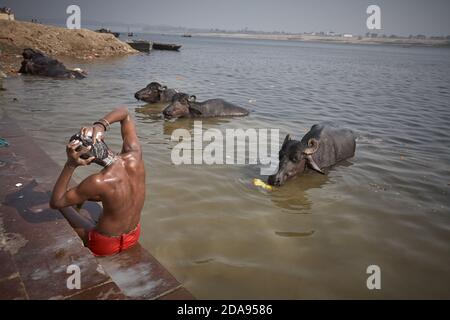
(262,184)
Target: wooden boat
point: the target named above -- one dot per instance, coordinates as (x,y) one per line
(141,45)
(103,30)
(166,46)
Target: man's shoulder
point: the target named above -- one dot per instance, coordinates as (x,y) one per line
(133,162)
(93,185)
(96,179)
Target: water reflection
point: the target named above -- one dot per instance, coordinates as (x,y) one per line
(188,123)
(288,234)
(293,196)
(150,111)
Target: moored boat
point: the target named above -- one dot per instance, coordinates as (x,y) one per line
(141,45)
(103,30)
(166,46)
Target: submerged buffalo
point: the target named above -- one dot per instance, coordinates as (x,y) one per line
(185,106)
(323,146)
(154,92)
(36,63)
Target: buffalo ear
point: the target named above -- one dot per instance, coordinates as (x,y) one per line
(287,139)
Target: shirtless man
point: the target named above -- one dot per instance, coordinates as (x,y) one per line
(120,186)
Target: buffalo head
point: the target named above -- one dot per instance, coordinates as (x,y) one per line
(151,93)
(182,105)
(293,157)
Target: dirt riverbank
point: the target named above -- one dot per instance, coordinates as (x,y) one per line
(57,42)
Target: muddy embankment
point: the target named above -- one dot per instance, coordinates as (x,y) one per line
(56,42)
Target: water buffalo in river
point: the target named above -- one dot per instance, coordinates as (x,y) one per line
(185,106)
(323,146)
(154,92)
(36,63)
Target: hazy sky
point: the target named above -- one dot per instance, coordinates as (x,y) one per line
(401,17)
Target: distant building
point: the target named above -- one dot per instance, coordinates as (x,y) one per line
(347,35)
(6,14)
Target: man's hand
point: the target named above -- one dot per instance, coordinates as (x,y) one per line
(97,132)
(73,156)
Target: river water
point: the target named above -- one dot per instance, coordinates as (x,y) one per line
(314,237)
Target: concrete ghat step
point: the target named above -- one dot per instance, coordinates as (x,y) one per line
(141,276)
(37,244)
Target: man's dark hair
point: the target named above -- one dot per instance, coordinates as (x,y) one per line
(99,150)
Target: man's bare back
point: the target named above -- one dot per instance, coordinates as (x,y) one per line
(122,194)
(120,185)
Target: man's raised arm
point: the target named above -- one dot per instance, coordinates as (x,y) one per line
(89,188)
(129,136)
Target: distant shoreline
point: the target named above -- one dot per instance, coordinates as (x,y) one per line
(331,39)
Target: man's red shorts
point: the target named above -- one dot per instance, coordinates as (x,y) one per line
(102,245)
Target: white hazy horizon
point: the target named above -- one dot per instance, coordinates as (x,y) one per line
(400,17)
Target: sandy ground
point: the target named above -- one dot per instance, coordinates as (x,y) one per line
(57,42)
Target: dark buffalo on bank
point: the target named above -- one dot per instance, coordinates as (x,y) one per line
(154,92)
(38,64)
(323,146)
(185,106)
